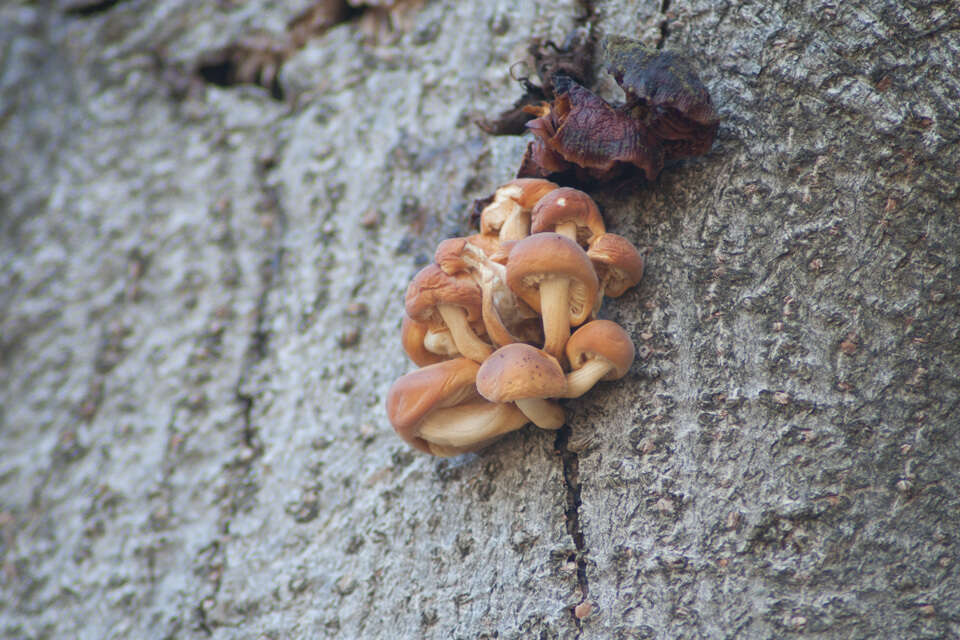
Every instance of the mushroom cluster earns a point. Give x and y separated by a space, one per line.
489 321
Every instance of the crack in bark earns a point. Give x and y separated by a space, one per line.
571 482
258 347
664 24
87 8
588 17
203 625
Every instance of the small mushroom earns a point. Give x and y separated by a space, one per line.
416 336
553 275
434 297
570 212
508 215
437 410
617 262
599 350
526 376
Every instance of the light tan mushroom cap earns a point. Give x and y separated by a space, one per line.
431 286
528 191
619 265
543 255
602 339
517 372
568 205
419 392
522 192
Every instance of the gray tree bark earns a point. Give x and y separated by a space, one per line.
201 298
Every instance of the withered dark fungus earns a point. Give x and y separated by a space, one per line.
583 132
664 92
579 136
572 60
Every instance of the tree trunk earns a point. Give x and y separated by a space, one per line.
202 289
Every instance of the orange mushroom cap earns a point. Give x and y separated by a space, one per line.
618 263
419 392
437 410
602 338
431 286
519 371
526 376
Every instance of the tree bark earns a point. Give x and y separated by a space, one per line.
202 289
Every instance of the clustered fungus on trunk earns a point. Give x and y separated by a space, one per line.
489 321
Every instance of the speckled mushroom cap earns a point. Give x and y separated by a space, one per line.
545 255
517 372
419 392
618 263
431 286
568 205
602 339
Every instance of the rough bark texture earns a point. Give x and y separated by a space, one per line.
200 302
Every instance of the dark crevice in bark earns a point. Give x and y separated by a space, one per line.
203 625
245 63
213 570
589 19
258 347
86 8
664 24
245 400
571 482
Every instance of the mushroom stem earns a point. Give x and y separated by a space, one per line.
516 226
567 229
469 345
554 298
496 330
468 427
582 380
543 413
